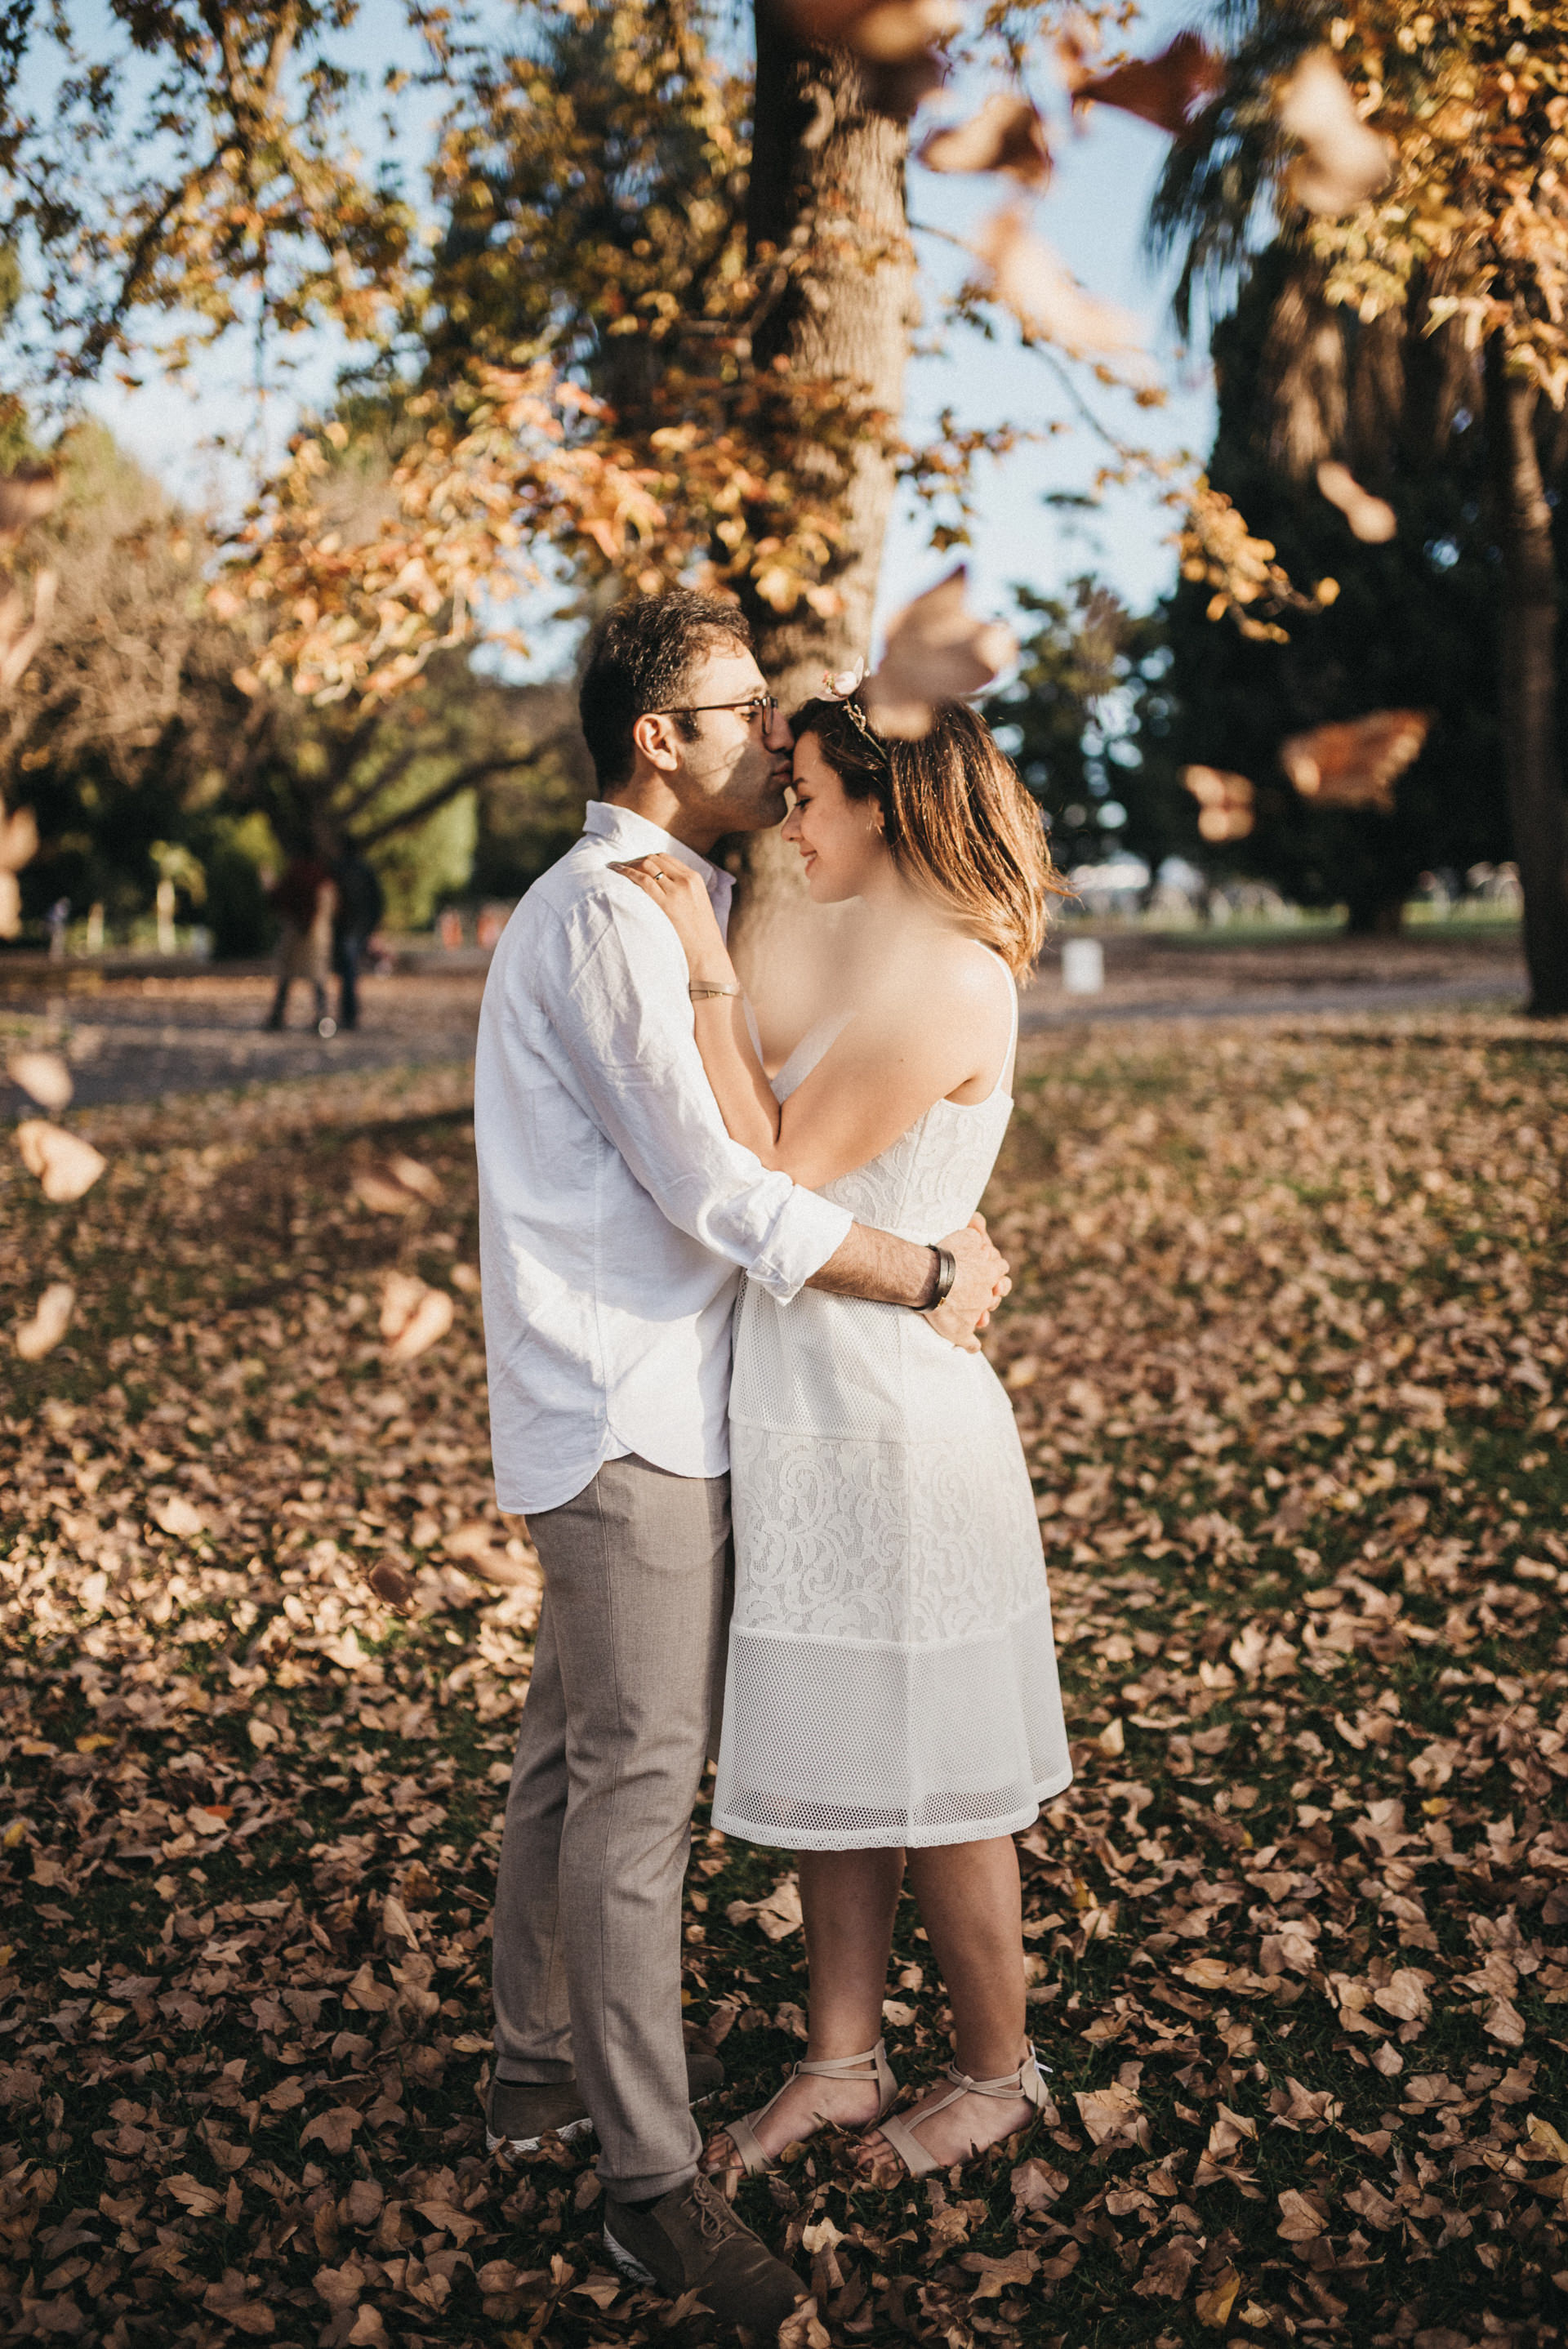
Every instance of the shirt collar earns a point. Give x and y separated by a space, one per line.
626 830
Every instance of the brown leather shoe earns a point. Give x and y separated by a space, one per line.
691 2240
520 2114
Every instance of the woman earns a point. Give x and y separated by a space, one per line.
891 1706
305 900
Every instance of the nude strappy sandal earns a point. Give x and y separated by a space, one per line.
1024 2082
742 2134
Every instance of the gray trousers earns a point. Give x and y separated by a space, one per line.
628 1676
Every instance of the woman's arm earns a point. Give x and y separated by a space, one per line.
930 1030
740 1086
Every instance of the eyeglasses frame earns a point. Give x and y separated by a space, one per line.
765 705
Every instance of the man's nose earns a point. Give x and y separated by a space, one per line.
778 733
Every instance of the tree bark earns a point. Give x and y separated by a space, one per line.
1532 757
827 181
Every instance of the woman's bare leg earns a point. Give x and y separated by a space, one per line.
972 1909
848 1898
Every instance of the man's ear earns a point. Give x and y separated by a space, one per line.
654 735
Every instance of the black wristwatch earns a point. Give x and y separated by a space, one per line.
947 1274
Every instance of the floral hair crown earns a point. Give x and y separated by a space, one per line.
842 686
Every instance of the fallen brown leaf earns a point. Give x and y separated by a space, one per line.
392 1584
778 1914
334 2129
1301 2216
1113 2115
1215 2303
416 1177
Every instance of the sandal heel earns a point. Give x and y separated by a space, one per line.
1024 2082
742 2133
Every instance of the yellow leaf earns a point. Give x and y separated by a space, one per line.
1552 2145
1216 2304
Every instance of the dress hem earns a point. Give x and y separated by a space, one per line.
918 1839
1002 1627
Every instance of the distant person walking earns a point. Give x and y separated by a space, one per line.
305 900
360 906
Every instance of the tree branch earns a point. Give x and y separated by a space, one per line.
384 776
435 800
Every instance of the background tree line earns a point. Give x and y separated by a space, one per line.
649 314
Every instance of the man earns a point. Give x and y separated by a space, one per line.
360 906
615 1214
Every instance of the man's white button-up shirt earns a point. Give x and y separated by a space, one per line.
616 1213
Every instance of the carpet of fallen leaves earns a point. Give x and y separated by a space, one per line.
1288 1352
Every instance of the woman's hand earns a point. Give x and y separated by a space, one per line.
679 892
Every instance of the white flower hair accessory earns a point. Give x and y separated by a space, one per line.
838 684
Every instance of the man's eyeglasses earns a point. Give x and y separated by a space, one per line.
758 705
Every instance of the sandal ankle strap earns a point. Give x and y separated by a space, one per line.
833 2067
742 2130
1025 2081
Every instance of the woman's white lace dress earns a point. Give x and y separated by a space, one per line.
891 1675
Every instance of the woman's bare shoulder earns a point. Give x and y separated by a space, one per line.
949 995
939 972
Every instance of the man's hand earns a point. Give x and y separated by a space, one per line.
981 1283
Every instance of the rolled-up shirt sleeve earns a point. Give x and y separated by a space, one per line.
623 1019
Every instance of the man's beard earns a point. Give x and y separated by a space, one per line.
757 804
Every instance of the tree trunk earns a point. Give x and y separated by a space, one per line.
827 177
1375 917
1532 759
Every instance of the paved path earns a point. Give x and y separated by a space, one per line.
1483 990
143 1039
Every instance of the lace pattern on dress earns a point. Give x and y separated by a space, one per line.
892 1677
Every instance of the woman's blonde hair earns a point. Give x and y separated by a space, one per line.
959 823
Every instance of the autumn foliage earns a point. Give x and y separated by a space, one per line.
1287 1352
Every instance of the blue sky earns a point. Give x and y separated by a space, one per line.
1093 213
